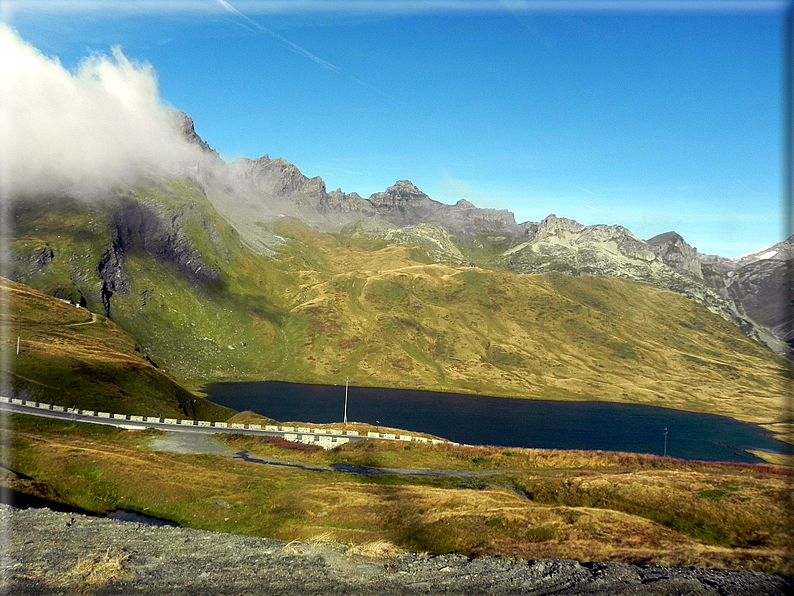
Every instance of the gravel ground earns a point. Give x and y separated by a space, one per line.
47 552
187 442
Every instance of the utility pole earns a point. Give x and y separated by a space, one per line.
347 382
17 345
665 441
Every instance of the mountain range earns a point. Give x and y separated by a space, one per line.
251 270
749 291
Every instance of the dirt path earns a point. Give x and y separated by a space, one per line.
93 320
185 442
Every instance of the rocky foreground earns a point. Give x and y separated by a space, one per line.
47 552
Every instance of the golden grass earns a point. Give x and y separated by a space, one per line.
377 550
784 431
72 357
546 504
538 336
88 574
776 459
96 570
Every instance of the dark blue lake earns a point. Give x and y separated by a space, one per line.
481 420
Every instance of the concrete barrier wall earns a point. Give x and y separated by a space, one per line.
303 434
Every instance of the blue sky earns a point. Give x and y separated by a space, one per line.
656 116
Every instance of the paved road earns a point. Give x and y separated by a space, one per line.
171 445
132 424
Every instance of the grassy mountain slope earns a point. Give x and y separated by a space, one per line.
385 319
73 357
176 276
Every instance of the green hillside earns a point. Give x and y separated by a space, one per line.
205 308
72 357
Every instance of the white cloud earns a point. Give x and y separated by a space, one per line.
75 132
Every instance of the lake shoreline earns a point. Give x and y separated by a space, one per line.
510 422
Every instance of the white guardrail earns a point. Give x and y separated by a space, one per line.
326 438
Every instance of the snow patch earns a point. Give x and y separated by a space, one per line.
766 255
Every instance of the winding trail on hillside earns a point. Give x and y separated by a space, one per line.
93 320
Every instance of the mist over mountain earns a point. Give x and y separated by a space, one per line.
82 133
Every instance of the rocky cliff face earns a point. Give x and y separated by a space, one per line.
763 285
403 204
279 178
185 126
154 228
673 250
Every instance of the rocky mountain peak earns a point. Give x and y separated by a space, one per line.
671 237
403 204
401 190
782 251
676 253
556 226
185 126
281 178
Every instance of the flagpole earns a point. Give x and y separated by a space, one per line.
347 381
